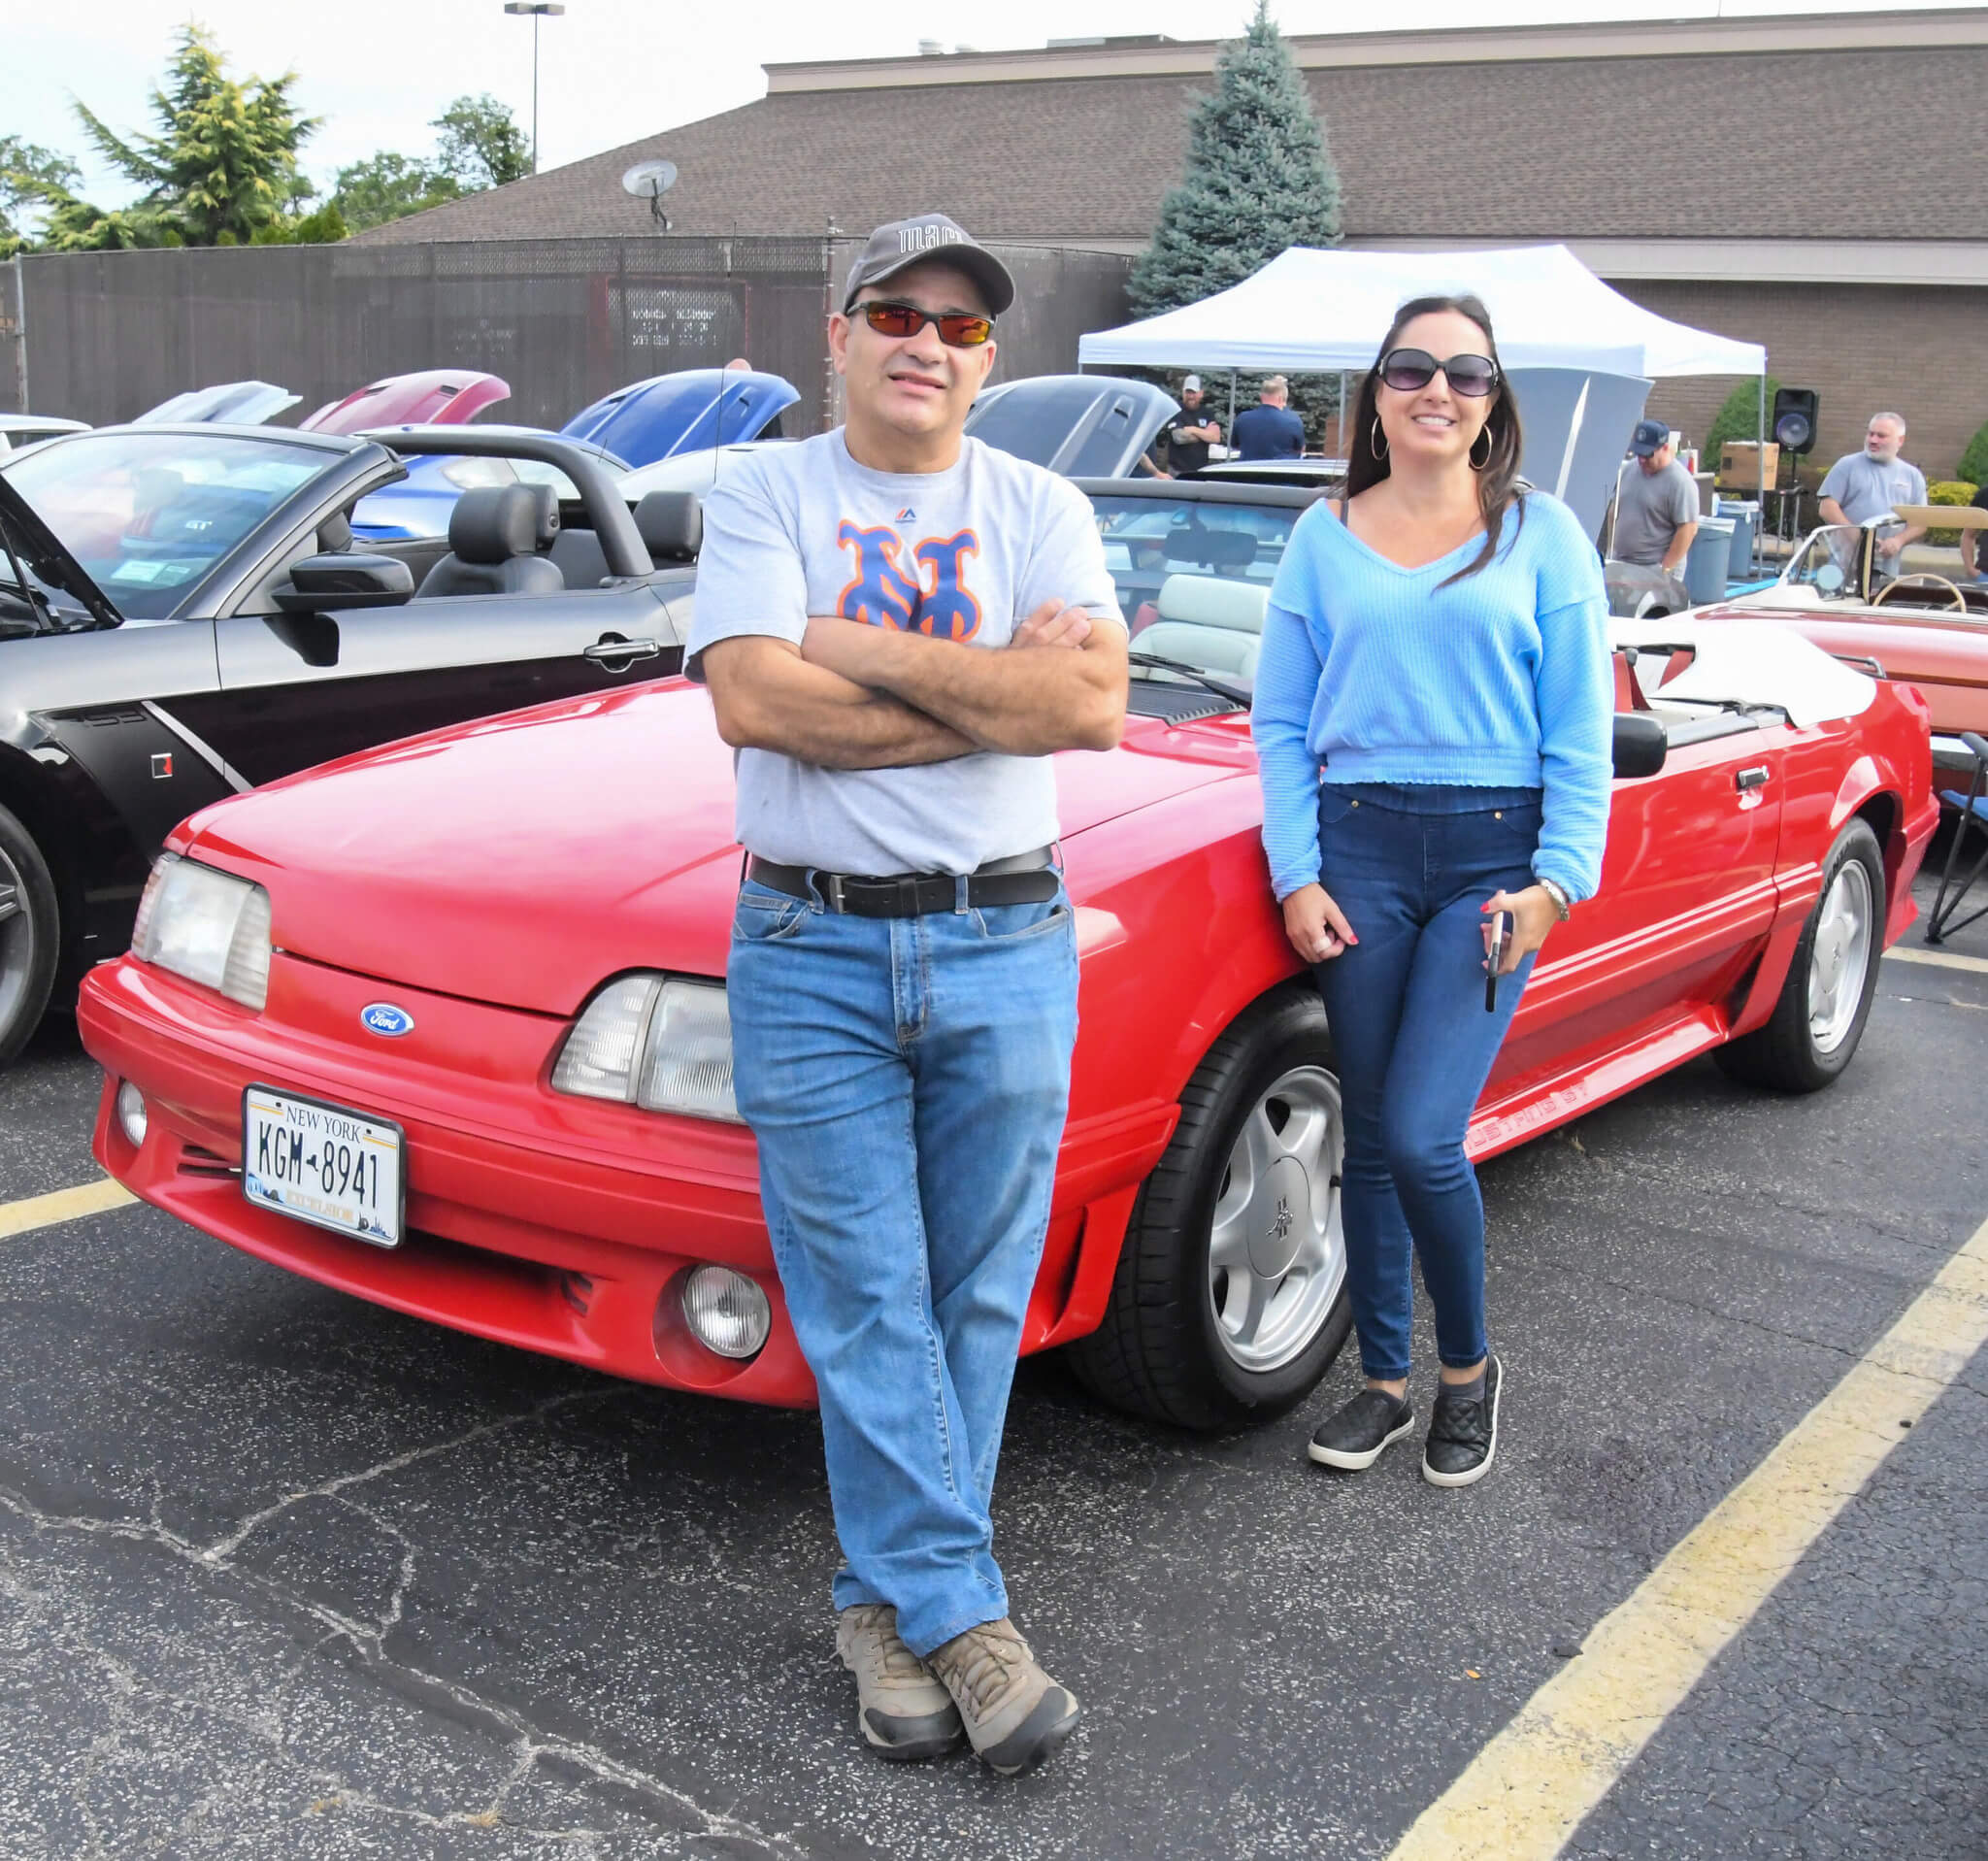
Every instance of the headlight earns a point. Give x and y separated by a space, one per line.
207 926
658 1042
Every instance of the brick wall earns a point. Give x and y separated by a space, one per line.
1922 351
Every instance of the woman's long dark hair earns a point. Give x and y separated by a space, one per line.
1497 479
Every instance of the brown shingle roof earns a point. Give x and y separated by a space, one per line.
1814 143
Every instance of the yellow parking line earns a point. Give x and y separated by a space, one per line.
1944 959
1525 1792
62 1205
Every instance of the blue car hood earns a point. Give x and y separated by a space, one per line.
690 411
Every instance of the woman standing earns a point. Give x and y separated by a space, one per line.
1431 718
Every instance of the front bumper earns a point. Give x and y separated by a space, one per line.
559 1225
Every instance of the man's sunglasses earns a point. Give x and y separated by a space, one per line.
956 329
1406 370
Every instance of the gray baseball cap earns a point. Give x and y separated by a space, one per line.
905 243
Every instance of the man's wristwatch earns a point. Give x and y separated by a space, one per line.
1563 906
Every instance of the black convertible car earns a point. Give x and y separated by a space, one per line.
184 612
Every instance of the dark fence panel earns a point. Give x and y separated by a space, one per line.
563 321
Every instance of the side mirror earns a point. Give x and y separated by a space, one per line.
1641 745
324 583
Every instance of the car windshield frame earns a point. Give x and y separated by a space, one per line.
152 514
1160 533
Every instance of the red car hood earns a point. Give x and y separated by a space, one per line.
524 859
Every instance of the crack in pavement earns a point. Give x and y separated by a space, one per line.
528 1744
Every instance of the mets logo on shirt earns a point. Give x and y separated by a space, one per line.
925 591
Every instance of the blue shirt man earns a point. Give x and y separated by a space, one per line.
1270 430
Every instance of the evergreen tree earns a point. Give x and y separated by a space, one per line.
1973 465
1258 179
1737 419
221 169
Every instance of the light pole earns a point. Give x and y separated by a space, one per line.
536 8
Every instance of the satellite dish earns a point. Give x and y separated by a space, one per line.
649 180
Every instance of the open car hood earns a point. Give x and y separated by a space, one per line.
235 403
1084 426
524 859
432 397
44 556
687 412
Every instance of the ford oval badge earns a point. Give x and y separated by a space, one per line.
382 1017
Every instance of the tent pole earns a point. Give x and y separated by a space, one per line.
1341 449
1232 411
1760 459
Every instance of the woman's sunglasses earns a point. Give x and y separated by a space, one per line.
956 330
1406 370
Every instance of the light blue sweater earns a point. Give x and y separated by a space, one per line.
1500 680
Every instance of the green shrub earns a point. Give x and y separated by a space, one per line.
1949 491
1739 419
1973 463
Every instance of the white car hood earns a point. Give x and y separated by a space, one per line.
1754 662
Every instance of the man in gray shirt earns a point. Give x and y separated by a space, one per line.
898 625
1862 485
1656 504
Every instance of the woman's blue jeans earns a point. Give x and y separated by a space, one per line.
906 1079
1412 868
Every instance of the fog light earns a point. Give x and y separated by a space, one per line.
726 1312
131 1118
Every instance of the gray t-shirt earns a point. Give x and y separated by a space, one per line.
1651 508
963 554
1865 489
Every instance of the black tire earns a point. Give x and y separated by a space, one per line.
30 935
1785 1055
1158 1351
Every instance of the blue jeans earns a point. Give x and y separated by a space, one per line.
1412 869
906 1079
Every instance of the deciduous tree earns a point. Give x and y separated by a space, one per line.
481 145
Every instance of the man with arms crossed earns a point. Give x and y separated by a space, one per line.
1865 484
898 625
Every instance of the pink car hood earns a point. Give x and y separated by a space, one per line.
524 859
434 397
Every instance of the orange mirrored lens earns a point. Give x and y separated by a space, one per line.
899 320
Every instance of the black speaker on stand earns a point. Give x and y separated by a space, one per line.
1793 426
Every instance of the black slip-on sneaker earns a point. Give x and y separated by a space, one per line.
1463 1435
1354 1437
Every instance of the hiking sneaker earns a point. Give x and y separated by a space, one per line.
1355 1436
1015 1715
1463 1435
902 1711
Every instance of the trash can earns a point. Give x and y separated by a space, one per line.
1705 568
1745 516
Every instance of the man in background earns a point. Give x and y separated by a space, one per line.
1270 430
1862 485
1190 432
1656 504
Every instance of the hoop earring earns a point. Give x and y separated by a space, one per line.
1377 439
1484 433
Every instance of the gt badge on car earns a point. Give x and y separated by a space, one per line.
382 1017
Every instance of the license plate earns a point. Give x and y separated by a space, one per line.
322 1164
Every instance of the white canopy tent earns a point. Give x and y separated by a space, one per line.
1324 312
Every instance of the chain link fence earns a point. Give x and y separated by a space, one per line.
563 321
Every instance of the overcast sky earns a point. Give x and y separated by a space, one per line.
610 71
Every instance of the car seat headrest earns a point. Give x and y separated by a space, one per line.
1214 601
547 519
334 534
496 522
671 523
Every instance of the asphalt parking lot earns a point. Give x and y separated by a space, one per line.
282 1575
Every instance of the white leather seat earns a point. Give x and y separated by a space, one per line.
1209 622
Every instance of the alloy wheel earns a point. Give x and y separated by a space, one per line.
17 940
1276 1253
1839 956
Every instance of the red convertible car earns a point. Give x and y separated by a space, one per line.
444 1025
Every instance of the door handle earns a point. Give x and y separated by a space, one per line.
1754 777
610 650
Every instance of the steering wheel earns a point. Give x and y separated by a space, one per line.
1919 578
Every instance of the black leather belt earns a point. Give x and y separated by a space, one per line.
1023 878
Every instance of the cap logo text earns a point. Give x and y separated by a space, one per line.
923 238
